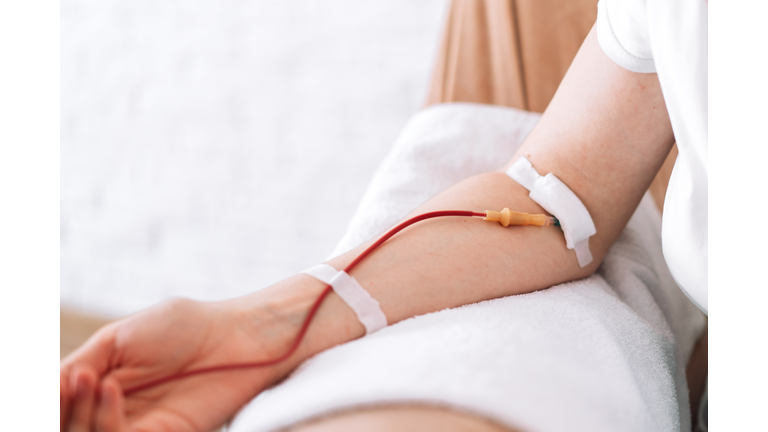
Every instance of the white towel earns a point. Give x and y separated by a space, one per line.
606 353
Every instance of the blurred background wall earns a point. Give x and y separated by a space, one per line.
212 148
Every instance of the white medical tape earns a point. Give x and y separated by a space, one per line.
366 308
322 272
558 199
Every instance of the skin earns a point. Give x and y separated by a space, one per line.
605 134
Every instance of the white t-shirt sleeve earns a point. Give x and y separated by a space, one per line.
622 32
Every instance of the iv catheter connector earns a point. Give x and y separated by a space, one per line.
507 217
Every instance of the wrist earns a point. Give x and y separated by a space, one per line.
274 316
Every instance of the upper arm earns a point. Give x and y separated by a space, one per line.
605 134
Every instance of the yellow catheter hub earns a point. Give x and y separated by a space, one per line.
508 217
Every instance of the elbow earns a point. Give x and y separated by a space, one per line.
590 268
598 254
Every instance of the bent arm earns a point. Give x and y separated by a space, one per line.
605 134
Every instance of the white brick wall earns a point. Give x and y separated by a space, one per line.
211 148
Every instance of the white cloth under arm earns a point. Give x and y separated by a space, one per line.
670 39
366 308
557 198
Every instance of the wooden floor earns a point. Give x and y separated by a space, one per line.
76 328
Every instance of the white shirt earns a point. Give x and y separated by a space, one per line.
669 37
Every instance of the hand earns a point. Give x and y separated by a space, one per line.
178 336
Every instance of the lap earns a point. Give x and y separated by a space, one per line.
407 417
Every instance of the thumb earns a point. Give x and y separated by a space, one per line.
97 352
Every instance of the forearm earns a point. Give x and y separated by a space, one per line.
451 261
435 264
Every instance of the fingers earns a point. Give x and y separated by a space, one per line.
110 416
65 399
79 376
83 399
83 383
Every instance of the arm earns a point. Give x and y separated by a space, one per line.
605 135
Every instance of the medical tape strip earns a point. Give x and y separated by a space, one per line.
558 199
366 308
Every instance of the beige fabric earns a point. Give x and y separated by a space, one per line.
508 52
478 60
